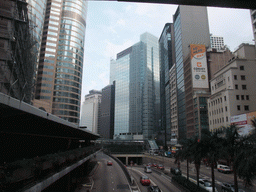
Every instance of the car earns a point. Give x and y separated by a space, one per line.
224 169
160 166
149 164
175 171
206 184
228 187
147 169
109 163
154 165
154 189
144 180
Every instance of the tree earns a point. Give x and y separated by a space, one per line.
212 143
231 147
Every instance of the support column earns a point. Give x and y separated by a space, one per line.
126 160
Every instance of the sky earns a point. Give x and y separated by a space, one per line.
114 26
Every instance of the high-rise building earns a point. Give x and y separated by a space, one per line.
91 111
106 121
60 65
167 58
253 17
190 27
16 58
217 42
233 88
137 97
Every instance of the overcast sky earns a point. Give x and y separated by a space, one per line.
115 26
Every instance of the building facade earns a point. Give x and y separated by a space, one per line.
91 110
106 121
233 88
60 65
253 17
174 105
190 27
217 42
137 99
16 54
167 58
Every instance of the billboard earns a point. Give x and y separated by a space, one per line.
199 66
244 123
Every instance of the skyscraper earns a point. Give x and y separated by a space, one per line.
137 97
90 112
167 58
190 27
107 107
60 66
253 17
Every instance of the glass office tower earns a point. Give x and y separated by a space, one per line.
137 97
190 27
61 58
167 58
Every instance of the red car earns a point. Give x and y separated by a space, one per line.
160 167
144 180
154 165
109 163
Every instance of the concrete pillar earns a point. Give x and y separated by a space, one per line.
126 160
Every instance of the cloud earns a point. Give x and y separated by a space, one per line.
112 49
121 22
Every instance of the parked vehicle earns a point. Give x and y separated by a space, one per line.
206 184
228 187
175 171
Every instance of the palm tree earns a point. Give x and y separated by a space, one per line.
212 143
186 153
231 147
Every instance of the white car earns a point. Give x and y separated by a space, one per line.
206 184
147 169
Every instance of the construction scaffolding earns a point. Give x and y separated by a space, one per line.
17 63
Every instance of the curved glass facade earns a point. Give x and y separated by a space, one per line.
61 57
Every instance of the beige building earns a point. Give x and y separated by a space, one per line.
91 111
233 88
173 103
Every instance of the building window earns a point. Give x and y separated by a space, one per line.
225 98
226 119
242 97
235 77
236 86
226 108
242 77
246 107
244 87
237 97
247 97
241 67
238 107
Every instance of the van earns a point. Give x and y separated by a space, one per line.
224 169
147 169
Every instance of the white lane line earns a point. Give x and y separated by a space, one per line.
144 174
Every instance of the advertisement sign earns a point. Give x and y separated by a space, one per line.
244 123
199 66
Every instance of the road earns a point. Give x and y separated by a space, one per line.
205 172
163 182
109 178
